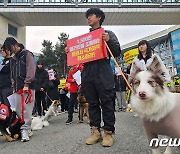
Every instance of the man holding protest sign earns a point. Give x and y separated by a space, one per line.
97 76
98 84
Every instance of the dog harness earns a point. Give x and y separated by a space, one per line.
14 122
28 100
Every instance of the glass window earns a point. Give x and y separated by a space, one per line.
12 30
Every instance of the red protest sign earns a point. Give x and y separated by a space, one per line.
86 48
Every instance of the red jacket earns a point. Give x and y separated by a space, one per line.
73 85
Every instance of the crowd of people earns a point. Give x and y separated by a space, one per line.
103 87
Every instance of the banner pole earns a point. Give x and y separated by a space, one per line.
118 66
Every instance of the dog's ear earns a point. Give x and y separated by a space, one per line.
156 68
57 102
134 71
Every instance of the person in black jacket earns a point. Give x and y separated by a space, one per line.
52 90
41 83
98 84
120 87
5 80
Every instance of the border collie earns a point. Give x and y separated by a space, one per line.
159 108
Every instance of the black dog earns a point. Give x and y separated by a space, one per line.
9 119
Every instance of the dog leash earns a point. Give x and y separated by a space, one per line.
48 96
28 100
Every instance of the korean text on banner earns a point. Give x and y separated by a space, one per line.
86 48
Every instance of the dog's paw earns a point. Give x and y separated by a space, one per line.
9 138
16 136
58 113
80 121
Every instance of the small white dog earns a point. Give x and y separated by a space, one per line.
52 111
38 123
159 108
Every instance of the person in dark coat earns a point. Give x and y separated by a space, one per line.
120 86
5 80
98 83
52 90
41 83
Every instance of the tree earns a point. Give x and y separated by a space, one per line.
60 54
55 56
48 56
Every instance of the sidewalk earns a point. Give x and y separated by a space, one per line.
59 138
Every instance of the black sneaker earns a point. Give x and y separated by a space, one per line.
69 121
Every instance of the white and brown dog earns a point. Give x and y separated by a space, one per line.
159 108
52 111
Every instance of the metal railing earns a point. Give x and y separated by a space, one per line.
55 2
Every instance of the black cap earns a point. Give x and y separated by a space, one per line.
39 62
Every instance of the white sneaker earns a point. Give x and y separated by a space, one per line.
30 133
24 135
1 134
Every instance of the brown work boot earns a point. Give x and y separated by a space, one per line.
95 136
107 139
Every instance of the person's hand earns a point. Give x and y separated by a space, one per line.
66 50
105 37
41 89
25 89
73 80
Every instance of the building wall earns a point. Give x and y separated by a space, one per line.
21 31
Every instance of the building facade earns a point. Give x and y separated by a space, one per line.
11 29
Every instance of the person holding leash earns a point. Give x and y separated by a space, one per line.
22 68
41 83
98 84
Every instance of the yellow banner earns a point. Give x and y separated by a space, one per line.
62 83
130 55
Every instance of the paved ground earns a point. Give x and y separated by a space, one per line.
130 138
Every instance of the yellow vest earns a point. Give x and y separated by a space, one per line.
62 83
